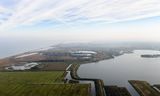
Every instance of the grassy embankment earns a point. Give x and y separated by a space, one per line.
143 88
98 83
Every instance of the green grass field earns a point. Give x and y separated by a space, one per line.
45 90
31 77
39 84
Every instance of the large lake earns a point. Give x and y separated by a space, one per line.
126 67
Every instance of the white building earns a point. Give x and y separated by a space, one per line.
22 67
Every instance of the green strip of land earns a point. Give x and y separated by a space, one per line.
144 88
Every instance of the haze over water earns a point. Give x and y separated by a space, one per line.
11 47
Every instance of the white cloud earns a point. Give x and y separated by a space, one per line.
28 12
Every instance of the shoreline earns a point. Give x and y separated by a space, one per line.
98 82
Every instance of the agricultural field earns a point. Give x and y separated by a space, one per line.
31 77
45 90
50 66
44 83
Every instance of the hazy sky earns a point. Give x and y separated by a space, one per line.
79 20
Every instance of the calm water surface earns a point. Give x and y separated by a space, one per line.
126 67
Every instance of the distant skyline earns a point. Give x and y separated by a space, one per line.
80 20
